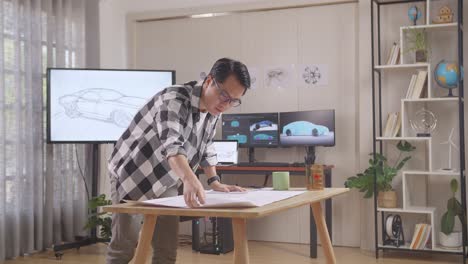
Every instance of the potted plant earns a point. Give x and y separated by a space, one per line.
102 219
384 173
417 43
448 237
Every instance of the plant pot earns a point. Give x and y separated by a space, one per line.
453 240
387 199
421 56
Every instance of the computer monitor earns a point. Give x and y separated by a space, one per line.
307 128
226 151
251 130
97 105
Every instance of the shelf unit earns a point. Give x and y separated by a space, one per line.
410 203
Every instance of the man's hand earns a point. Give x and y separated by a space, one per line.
194 194
220 187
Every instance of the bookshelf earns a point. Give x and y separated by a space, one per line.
416 188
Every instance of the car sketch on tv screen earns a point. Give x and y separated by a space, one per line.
102 104
97 105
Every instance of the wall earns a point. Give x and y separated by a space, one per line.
114 50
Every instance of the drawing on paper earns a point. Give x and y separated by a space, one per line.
279 76
274 77
101 104
311 75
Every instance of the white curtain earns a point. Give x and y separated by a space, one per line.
42 195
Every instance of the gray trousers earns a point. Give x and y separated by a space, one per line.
125 233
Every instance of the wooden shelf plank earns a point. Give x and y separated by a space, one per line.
444 173
410 210
406 247
446 26
401 66
433 99
402 138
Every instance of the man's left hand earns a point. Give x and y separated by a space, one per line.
220 187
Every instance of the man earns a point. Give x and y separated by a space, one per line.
165 143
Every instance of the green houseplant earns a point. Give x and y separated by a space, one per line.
380 169
448 237
99 219
418 43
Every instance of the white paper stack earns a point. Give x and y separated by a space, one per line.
251 198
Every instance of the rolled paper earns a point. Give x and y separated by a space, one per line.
280 180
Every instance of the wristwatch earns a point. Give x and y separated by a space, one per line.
212 179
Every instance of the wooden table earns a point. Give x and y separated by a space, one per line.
239 221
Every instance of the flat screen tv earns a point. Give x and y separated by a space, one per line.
307 128
97 105
251 130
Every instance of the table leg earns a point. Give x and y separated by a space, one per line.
328 204
312 235
241 249
144 243
323 232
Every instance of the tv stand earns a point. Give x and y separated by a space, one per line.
81 241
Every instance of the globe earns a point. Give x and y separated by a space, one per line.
446 75
414 14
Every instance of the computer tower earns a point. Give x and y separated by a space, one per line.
212 235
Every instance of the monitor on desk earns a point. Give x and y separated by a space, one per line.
226 151
251 130
307 128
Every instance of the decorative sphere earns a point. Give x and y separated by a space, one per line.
414 13
446 74
423 121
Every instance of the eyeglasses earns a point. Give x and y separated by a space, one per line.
225 97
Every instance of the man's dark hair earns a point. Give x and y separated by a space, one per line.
225 67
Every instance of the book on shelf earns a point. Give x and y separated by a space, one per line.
394 55
389 57
393 125
418 87
409 92
397 126
421 236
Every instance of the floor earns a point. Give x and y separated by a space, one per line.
260 252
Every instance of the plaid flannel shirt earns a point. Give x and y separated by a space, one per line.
164 127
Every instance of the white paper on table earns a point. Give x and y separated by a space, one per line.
251 198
